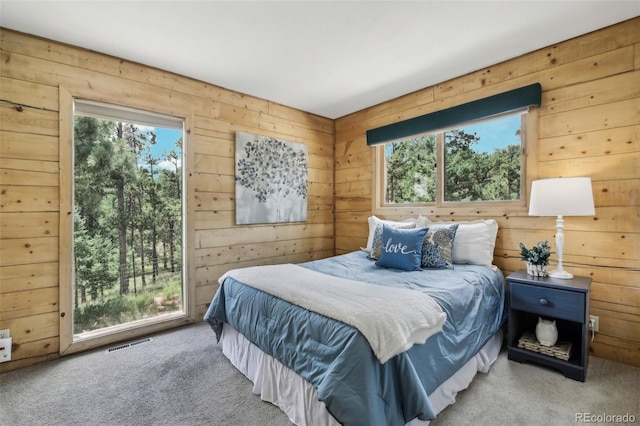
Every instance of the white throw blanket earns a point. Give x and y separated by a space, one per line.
391 319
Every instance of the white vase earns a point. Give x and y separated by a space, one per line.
546 332
536 270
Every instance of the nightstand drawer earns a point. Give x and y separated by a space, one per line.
562 304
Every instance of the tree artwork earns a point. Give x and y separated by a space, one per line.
271 180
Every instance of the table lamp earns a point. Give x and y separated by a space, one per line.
571 196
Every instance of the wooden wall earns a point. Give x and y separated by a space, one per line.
33 71
588 125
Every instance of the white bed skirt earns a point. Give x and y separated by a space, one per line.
282 387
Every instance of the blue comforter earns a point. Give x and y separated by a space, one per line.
337 360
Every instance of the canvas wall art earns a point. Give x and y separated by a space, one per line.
271 180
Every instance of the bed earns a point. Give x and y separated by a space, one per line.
282 326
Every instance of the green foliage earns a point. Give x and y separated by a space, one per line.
411 170
114 308
96 265
480 176
113 311
172 291
143 303
470 175
536 255
128 215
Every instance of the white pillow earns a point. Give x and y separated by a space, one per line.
375 221
474 242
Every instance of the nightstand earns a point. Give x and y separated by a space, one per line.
566 302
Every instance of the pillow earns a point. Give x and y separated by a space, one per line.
437 250
375 221
401 248
376 246
475 241
422 222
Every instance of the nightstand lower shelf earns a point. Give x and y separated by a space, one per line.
560 350
569 369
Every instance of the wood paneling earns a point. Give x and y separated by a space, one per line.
588 124
37 79
27 277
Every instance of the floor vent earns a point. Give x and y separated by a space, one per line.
128 345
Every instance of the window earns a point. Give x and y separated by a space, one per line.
122 182
475 162
127 216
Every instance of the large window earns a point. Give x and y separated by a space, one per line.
476 162
128 262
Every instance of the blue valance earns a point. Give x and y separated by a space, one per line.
514 100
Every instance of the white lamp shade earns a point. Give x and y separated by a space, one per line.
562 197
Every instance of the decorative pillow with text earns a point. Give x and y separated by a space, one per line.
401 248
376 223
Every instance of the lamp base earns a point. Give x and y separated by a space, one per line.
562 274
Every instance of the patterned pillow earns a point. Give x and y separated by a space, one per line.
437 251
475 240
401 248
376 245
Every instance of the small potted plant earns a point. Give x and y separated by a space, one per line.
537 258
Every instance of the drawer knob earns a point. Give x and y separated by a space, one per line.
544 302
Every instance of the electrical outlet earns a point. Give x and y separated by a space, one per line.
5 349
594 323
5 333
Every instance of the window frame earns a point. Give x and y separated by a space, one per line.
441 208
67 343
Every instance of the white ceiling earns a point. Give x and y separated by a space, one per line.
326 57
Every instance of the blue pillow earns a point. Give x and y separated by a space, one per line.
376 244
401 248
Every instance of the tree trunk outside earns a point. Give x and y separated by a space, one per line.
172 245
142 260
122 240
154 252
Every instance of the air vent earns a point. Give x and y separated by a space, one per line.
128 345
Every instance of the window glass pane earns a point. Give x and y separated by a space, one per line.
128 248
482 161
411 170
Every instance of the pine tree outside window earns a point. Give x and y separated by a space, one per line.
473 163
128 217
